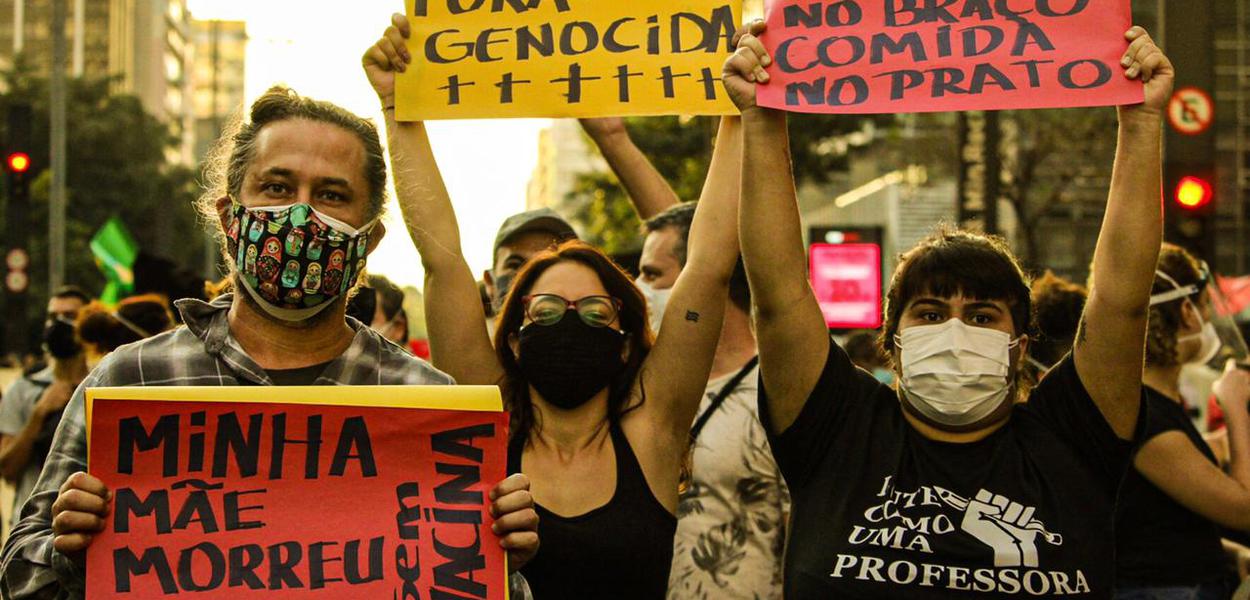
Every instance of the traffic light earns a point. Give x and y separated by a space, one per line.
18 162
1190 207
1193 194
1190 181
15 246
17 169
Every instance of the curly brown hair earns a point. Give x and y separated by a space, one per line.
1165 319
1058 304
100 326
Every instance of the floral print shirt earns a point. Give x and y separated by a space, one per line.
731 520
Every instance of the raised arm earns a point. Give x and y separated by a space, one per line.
676 371
1173 464
459 342
1110 344
790 328
647 189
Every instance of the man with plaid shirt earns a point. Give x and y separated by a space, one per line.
298 166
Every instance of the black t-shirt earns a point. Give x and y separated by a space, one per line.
1160 542
301 376
882 512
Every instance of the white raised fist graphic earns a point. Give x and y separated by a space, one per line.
1006 526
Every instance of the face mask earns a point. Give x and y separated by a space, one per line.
657 301
569 362
503 284
955 374
1041 367
883 375
59 340
294 261
1208 337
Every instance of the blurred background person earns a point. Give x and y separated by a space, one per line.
103 330
389 317
519 238
1058 304
861 345
32 405
1176 499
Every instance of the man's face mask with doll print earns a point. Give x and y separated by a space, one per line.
293 260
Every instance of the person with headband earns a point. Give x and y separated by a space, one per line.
1176 500
949 486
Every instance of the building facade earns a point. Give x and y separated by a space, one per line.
218 75
144 44
1232 129
564 153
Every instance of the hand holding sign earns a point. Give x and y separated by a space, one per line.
516 521
746 66
78 514
388 56
1146 61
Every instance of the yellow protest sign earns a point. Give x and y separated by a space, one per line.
566 58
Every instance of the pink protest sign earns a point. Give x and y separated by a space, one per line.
892 56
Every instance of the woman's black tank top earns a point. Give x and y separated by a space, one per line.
623 549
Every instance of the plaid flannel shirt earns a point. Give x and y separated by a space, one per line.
201 353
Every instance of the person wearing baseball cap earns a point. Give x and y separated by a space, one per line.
520 237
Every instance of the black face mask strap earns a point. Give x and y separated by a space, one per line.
720 398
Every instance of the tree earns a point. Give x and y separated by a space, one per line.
117 166
681 150
1057 153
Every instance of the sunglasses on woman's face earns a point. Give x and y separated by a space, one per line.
548 309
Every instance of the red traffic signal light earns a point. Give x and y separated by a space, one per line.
18 162
1193 193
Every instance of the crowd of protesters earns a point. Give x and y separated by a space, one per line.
696 432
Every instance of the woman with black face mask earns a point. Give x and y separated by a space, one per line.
600 416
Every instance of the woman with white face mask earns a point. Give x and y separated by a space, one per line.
950 487
1174 503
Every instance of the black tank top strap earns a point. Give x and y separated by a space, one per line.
622 549
631 482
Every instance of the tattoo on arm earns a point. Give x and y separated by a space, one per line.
692 316
1080 332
